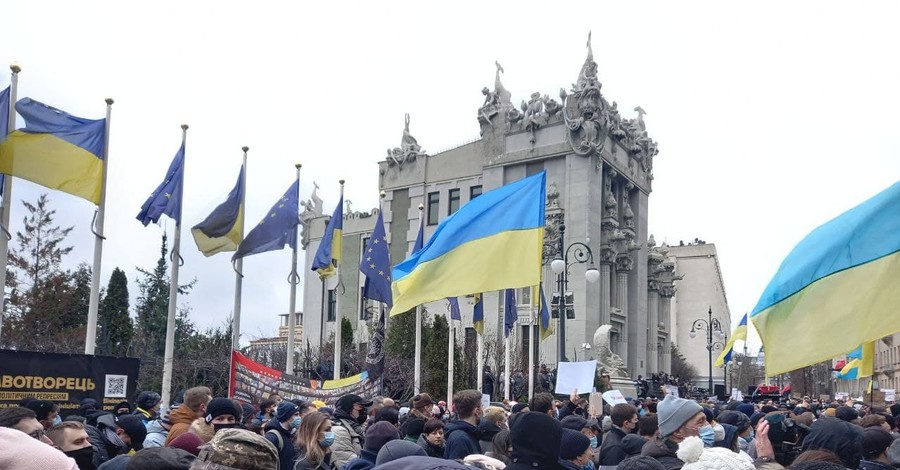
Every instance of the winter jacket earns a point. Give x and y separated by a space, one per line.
430 449
487 430
103 437
633 443
348 439
365 461
664 451
146 416
460 439
302 464
568 465
873 465
156 435
286 451
612 451
181 419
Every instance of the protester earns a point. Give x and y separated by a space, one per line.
679 418
147 406
501 448
314 443
25 420
349 415
71 438
265 414
694 454
237 449
221 413
116 436
493 421
161 458
648 428
376 437
158 431
29 454
461 435
45 411
624 420
543 403
398 449
875 443
535 439
195 401
575 450
838 436
278 431
432 438
412 429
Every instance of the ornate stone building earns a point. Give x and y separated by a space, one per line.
599 168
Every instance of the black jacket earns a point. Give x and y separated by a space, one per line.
286 452
611 450
107 444
664 451
430 449
460 440
633 443
487 430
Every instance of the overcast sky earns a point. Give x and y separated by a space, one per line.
771 117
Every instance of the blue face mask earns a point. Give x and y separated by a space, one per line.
295 423
328 440
707 435
594 442
588 466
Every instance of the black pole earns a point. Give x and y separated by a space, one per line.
709 345
561 283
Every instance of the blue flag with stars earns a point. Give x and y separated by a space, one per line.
510 312
454 308
277 229
167 197
376 265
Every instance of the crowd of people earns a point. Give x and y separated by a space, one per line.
199 431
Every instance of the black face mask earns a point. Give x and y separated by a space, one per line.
83 457
363 416
219 427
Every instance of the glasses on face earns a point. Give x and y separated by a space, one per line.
37 434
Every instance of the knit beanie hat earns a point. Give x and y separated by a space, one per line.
147 400
572 444
746 408
379 434
188 442
285 410
696 457
674 412
845 413
398 449
161 458
221 406
640 462
22 452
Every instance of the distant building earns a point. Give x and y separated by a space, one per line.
282 338
887 362
700 289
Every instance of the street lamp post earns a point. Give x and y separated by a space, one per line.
560 266
710 326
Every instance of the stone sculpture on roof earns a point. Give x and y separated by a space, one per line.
409 149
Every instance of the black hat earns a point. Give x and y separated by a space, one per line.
577 423
875 441
41 408
134 427
535 439
147 400
346 402
572 444
379 434
285 410
846 413
518 407
736 419
221 406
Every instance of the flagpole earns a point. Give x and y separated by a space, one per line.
90 340
417 367
480 342
169 358
450 354
337 307
7 193
293 280
239 264
531 346
508 372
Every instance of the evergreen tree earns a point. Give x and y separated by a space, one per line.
400 338
116 328
434 358
346 333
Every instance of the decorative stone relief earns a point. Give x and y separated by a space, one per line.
409 149
627 213
312 208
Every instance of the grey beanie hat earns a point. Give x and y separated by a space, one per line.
397 449
674 412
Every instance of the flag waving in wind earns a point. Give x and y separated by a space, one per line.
839 283
277 229
166 199
739 333
493 242
223 227
376 265
4 112
510 312
478 314
329 253
56 150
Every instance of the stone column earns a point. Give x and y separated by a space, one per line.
665 312
652 326
607 256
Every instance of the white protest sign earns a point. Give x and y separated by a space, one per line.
614 397
736 395
672 390
575 376
485 401
889 394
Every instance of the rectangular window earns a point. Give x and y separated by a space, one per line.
533 168
331 311
474 191
434 201
453 203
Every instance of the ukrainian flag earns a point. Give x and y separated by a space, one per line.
546 327
329 253
224 226
836 290
740 332
492 243
478 314
56 150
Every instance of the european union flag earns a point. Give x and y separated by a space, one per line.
454 308
510 313
278 227
376 265
167 197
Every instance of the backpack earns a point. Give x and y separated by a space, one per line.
278 437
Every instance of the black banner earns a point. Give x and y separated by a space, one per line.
66 379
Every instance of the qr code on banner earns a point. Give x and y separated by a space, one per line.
116 386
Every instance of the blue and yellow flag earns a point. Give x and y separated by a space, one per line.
328 256
453 305
544 309
864 359
4 112
840 283
277 229
739 333
478 314
510 311
56 150
223 227
420 237
166 199
492 243
376 265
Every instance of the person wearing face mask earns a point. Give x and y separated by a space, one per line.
678 419
314 443
71 438
221 413
575 451
624 420
349 415
29 453
461 435
278 432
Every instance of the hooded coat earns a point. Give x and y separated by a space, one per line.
460 439
181 419
103 437
664 451
156 434
487 430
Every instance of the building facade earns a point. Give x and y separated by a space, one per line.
599 169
